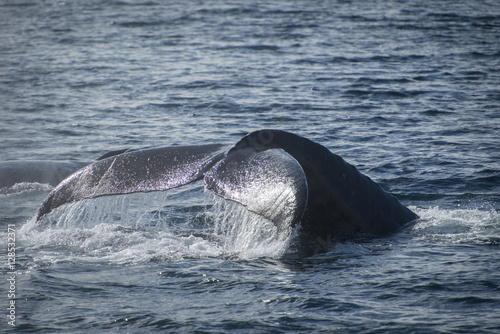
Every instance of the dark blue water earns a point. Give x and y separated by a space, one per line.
407 91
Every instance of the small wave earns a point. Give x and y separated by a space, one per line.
260 47
20 4
140 24
383 94
25 187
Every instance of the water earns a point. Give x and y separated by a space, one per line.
406 91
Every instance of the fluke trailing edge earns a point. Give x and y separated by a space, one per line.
283 177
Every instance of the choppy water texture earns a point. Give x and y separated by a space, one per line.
408 91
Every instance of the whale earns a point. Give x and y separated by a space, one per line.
36 171
283 177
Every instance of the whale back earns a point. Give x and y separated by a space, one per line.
47 172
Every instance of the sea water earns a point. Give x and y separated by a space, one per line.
407 91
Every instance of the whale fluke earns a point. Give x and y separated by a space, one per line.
283 177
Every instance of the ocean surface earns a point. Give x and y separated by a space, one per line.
407 91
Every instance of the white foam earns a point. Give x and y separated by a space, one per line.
25 187
458 225
140 227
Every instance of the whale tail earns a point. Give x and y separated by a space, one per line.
340 198
281 176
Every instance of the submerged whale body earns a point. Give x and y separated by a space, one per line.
281 176
47 172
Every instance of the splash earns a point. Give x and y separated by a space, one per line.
459 225
192 223
248 234
24 188
160 226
